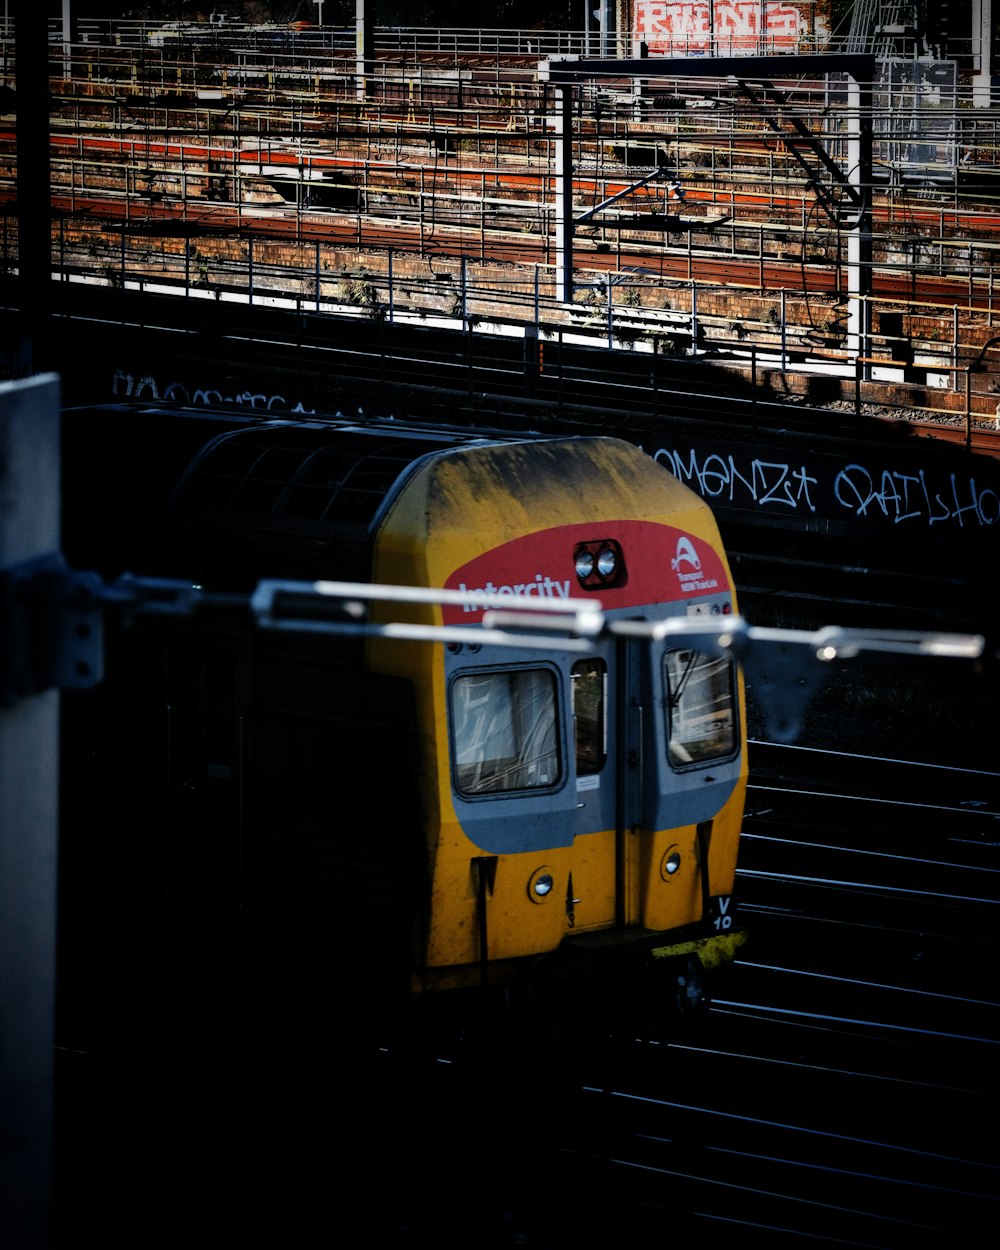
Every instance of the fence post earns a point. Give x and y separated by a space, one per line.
857 385
465 295
537 326
784 340
694 318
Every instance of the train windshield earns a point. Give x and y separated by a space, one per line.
505 731
701 707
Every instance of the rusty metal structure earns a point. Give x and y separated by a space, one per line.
743 191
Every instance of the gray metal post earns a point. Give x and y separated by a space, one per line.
536 298
982 53
29 769
859 237
365 45
784 333
562 73
694 317
563 134
465 294
34 259
70 35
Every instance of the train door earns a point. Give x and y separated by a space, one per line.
657 756
610 702
591 889
632 747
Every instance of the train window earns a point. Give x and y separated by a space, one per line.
504 731
590 715
701 707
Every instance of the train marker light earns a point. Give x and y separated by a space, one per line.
540 885
671 863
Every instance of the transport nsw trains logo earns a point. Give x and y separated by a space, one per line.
686 563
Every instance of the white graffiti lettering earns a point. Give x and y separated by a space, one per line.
962 502
147 387
869 494
768 481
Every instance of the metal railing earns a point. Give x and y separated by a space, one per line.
496 44
924 347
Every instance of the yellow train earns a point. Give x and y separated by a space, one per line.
384 819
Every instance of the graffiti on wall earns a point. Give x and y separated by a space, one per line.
125 385
911 495
908 493
726 27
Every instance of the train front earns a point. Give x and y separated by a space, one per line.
582 812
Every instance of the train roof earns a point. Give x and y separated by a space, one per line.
163 489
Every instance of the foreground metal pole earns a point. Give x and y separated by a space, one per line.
29 789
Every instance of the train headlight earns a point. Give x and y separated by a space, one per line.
540 885
670 865
599 564
584 564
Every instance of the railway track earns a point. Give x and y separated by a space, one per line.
186 145
507 246
458 167
838 1092
832 1094
895 858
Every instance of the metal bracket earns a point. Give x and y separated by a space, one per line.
51 628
